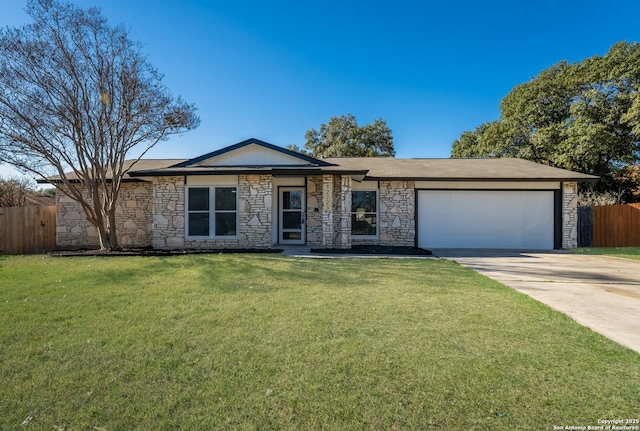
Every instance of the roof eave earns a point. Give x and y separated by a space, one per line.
279 171
77 181
499 179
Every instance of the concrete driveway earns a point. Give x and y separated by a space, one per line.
599 292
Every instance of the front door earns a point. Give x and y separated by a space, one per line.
291 227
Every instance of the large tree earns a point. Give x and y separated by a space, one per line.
76 97
342 137
583 116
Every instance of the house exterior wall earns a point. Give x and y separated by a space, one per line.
254 215
328 211
134 215
168 217
342 189
153 214
314 211
396 215
72 227
569 215
134 211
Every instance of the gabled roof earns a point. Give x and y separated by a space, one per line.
252 156
266 158
304 160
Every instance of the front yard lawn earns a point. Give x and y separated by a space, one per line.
256 342
628 252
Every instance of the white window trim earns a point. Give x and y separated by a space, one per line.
212 212
377 213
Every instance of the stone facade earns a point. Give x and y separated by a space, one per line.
255 219
330 227
314 211
169 210
569 215
328 211
343 234
254 215
134 215
134 211
72 227
396 215
153 214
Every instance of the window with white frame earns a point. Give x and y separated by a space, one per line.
212 212
364 213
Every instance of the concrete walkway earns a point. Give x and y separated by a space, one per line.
599 292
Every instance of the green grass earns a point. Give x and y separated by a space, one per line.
255 342
628 252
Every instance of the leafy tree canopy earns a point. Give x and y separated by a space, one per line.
342 137
77 95
582 116
13 191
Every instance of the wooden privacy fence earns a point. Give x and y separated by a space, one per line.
609 226
27 230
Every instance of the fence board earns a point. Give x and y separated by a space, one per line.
27 230
616 225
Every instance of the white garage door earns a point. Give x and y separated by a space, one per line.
508 219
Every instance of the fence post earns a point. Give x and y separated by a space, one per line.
585 226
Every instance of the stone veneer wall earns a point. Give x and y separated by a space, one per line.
336 196
254 215
329 220
396 215
72 227
154 214
133 219
328 211
314 211
342 210
255 218
168 216
569 215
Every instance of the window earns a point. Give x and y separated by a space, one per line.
364 213
198 211
225 213
212 211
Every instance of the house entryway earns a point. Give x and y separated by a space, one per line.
291 215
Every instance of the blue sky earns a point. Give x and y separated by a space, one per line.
272 70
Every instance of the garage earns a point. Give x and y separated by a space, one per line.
498 219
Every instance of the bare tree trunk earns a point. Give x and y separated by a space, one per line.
102 238
107 236
112 237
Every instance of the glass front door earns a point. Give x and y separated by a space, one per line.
292 211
